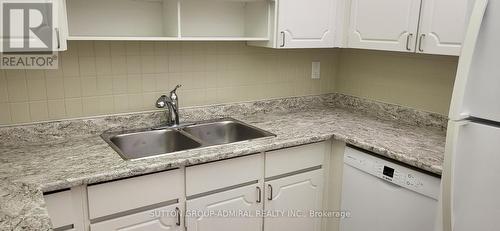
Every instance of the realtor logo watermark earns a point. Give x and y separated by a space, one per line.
27 35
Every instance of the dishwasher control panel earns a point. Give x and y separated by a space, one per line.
397 174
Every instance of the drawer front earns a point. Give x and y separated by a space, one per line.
122 195
60 208
294 159
163 218
221 174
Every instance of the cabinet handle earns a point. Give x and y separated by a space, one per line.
282 39
178 211
259 195
408 41
270 197
422 36
410 35
57 37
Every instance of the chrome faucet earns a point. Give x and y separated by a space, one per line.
172 103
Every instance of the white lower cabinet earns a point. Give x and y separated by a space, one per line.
270 191
152 202
160 219
230 210
63 210
296 196
134 193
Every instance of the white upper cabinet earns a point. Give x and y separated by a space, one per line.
422 26
384 24
442 26
39 26
61 26
303 24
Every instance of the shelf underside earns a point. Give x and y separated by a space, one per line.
168 38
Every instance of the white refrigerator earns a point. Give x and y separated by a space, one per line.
471 172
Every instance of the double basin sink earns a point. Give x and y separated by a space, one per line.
144 143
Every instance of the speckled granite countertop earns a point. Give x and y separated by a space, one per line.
52 156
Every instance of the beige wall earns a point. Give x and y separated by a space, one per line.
97 78
424 82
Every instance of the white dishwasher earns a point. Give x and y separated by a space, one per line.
383 196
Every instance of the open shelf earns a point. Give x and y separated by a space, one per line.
168 20
91 38
218 18
122 18
128 38
224 38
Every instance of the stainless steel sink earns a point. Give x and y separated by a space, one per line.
224 132
144 143
150 143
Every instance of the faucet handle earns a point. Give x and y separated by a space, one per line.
161 102
175 89
173 94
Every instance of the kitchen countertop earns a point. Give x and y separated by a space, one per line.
52 156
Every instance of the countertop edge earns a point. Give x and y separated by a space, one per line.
165 166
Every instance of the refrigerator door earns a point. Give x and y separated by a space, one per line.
477 84
475 175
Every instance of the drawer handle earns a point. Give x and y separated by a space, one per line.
422 36
178 211
259 195
270 197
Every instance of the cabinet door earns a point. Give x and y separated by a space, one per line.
60 26
384 24
61 209
297 196
39 17
442 27
226 211
305 24
164 218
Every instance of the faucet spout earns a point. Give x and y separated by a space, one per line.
171 102
173 114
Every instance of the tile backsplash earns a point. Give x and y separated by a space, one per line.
107 77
